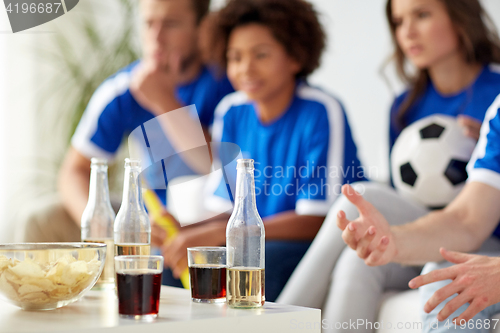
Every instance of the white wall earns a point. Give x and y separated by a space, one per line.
3 97
358 44
24 98
16 117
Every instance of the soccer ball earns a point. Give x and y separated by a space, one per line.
428 160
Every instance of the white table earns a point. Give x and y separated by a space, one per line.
97 312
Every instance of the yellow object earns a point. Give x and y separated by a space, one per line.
155 208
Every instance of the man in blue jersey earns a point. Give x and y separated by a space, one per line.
466 225
169 76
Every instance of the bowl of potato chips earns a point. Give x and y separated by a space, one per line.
46 276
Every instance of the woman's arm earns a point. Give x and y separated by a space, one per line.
73 183
283 226
291 226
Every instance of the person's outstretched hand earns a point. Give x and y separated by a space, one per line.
475 279
369 235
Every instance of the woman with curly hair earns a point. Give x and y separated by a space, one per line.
298 135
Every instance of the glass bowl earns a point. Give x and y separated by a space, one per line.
46 276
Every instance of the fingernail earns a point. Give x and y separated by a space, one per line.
351 227
371 231
411 284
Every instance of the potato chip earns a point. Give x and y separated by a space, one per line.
13 278
28 268
61 293
55 273
34 296
74 272
45 282
28 289
7 288
83 283
39 301
93 266
5 263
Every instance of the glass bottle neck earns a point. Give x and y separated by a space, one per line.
245 189
132 190
99 190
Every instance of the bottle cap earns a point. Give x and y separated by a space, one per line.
98 161
132 163
246 164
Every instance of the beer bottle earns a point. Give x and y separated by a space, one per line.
132 227
245 243
98 217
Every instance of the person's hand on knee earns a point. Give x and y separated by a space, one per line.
475 279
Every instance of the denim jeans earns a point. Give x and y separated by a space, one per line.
481 323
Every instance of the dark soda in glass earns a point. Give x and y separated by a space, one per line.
138 293
208 282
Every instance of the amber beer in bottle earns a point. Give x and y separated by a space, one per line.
245 243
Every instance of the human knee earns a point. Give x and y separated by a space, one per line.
50 223
432 266
341 204
38 221
428 290
350 266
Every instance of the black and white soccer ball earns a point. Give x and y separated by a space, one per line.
428 160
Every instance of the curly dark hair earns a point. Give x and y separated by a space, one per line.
294 24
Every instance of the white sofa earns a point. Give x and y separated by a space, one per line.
404 308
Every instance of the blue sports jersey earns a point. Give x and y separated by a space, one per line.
473 101
484 165
113 113
301 159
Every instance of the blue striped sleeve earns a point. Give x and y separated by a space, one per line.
484 165
102 126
